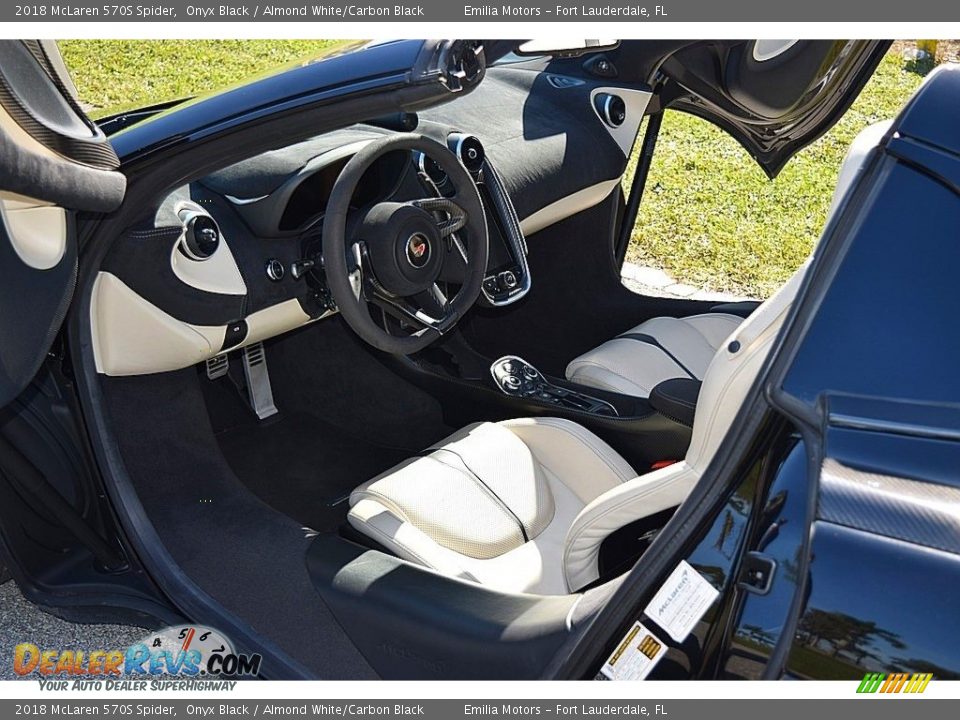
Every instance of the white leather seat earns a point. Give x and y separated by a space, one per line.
656 350
663 348
523 506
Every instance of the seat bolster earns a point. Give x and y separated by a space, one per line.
572 454
715 327
623 366
641 497
375 520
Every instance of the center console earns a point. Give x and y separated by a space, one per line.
518 378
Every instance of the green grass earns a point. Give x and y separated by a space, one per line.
116 75
709 217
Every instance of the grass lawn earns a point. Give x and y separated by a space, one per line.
116 75
709 217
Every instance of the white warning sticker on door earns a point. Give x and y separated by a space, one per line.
635 656
682 601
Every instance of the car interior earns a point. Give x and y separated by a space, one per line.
388 378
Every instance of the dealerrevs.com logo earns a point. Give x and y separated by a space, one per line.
180 657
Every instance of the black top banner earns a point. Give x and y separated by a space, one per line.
460 11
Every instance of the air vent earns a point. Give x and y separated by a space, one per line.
562 82
611 109
201 235
468 149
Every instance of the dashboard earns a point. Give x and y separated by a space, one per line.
235 258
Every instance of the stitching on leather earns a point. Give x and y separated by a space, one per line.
762 338
493 493
597 450
650 340
677 399
483 487
713 350
155 233
392 540
677 420
734 324
395 509
387 502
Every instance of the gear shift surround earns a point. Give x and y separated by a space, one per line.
518 378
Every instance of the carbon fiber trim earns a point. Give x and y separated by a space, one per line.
95 151
918 512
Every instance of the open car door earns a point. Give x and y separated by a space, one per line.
774 96
54 163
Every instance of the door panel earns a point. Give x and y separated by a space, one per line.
774 97
53 162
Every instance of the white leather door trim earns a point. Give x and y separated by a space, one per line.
568 206
636 102
37 230
131 336
217 274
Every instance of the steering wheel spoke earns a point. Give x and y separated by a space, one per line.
355 270
440 318
449 215
433 301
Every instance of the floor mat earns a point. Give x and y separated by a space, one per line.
303 466
228 542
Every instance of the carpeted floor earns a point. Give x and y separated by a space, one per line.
304 467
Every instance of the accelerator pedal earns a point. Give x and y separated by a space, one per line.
259 390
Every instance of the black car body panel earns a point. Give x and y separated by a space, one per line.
369 70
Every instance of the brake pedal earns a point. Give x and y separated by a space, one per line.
259 390
217 367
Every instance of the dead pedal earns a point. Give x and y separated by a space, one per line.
217 367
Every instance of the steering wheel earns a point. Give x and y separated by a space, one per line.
391 253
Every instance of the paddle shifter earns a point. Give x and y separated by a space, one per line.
518 378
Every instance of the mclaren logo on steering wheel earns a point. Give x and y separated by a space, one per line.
418 250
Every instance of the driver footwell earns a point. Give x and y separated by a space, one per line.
343 418
304 467
227 496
